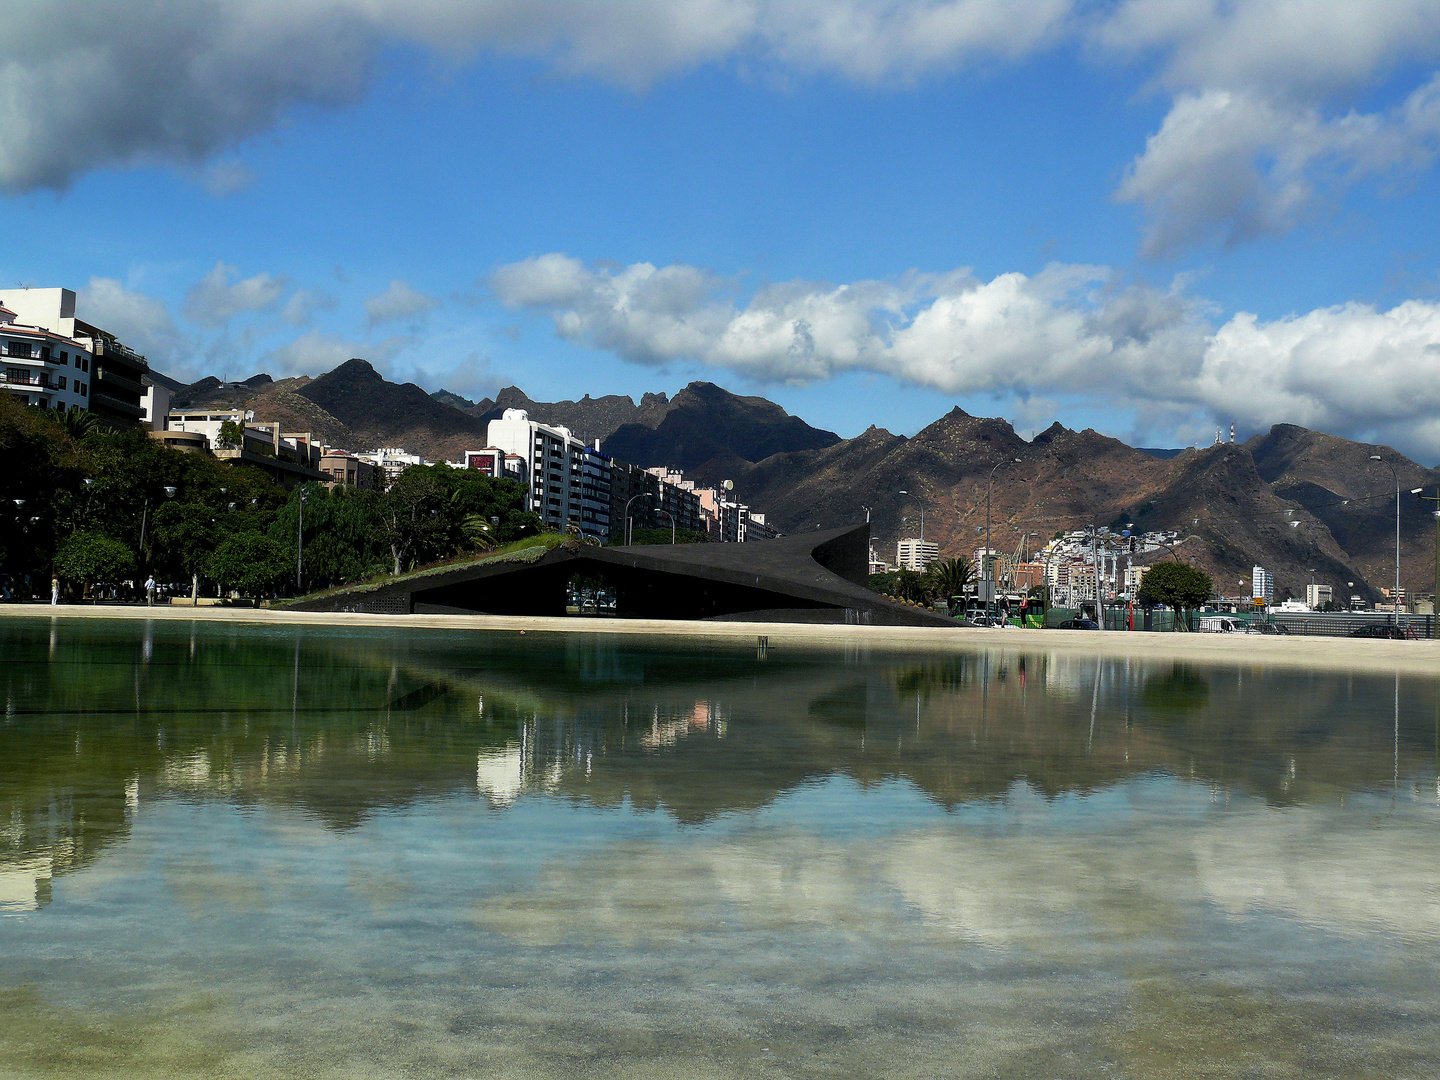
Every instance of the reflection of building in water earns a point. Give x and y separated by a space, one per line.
669 728
25 884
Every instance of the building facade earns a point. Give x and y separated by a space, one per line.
42 367
1318 596
109 373
915 554
1262 585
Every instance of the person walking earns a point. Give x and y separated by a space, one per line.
54 591
150 591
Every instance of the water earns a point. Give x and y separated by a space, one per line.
273 852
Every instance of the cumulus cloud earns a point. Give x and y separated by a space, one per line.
1234 166
1264 126
140 321
399 301
222 294
93 83
1069 330
315 353
303 304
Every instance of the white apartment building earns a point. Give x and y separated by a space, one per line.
1134 575
915 554
555 461
108 374
41 366
1262 584
392 461
1317 596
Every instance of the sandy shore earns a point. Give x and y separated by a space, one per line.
1406 657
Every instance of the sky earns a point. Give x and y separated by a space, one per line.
1152 218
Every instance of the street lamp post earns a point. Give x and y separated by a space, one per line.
672 524
989 567
921 501
1395 596
300 542
629 529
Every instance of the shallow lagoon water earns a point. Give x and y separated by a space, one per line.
308 852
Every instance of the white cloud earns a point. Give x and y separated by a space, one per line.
1238 166
221 295
138 320
1264 126
1265 92
227 177
399 301
1069 330
97 83
315 353
303 304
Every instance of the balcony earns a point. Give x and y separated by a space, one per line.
40 380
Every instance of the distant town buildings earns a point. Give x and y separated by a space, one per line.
1317 597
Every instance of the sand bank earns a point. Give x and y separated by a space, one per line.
1350 654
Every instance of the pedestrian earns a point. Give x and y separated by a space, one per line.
54 591
150 591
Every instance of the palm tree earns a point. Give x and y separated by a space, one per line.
476 529
78 422
950 576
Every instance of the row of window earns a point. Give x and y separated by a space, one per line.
25 377
24 350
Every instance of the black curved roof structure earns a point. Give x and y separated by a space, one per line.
817 577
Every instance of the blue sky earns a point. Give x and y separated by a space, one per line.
1150 218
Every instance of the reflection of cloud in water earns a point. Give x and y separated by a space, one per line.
1034 884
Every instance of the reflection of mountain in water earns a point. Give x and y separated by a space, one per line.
104 717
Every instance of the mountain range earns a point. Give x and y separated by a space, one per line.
1292 500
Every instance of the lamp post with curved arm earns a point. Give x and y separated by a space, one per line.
921 501
629 529
1395 596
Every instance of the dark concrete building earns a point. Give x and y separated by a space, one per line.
817 577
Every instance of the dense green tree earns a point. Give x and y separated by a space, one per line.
1179 587
251 563
90 558
184 536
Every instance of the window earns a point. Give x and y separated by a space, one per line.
19 349
62 382
84 389
64 359
16 375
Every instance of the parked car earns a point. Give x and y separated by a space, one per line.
1079 623
1268 628
1380 630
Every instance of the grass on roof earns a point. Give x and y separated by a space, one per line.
526 550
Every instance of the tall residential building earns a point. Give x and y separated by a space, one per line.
1317 596
41 367
110 373
569 483
1262 585
916 554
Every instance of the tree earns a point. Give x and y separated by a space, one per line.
184 538
1177 586
90 558
251 563
948 577
232 435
